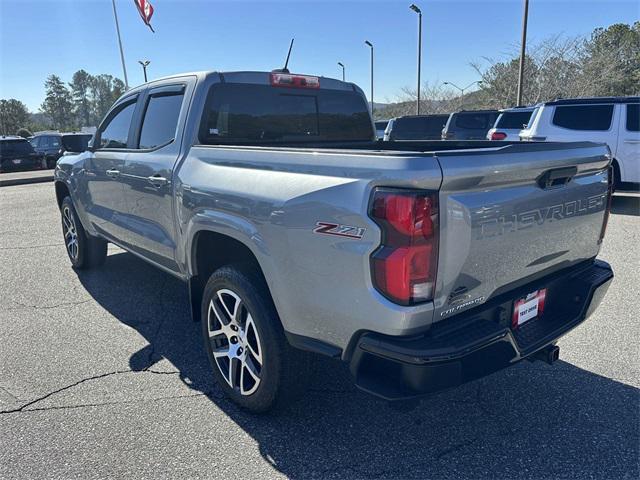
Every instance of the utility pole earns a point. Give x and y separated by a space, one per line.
144 64
371 46
342 65
416 9
124 68
523 45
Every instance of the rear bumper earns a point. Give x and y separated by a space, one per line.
478 342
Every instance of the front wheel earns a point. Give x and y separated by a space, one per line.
84 250
251 359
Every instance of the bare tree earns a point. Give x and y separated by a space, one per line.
434 98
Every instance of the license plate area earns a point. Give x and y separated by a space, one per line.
528 307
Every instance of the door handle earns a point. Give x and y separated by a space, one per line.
113 173
157 180
632 141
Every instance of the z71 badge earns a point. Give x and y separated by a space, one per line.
348 231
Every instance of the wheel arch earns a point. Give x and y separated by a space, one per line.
62 191
211 250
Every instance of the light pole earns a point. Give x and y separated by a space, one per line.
124 68
522 50
416 9
342 65
144 68
367 42
465 88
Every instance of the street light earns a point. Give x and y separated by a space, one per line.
367 42
465 88
144 68
416 9
342 65
523 45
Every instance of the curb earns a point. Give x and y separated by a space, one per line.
25 180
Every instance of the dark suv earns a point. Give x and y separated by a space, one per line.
469 125
54 145
16 153
416 127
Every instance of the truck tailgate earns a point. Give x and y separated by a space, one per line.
516 213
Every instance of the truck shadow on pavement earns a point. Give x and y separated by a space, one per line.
529 421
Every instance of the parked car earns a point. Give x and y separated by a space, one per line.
419 265
16 153
469 125
53 145
509 123
611 120
381 126
416 127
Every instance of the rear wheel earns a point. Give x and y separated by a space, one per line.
84 250
251 359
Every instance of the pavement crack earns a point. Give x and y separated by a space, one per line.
67 387
79 382
48 307
103 404
33 246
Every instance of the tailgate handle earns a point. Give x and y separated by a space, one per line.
557 177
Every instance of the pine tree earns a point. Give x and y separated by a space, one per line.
80 90
58 103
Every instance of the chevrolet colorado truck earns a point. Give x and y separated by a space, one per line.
422 265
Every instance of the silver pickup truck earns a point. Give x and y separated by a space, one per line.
422 265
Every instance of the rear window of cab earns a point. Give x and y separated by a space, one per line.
262 114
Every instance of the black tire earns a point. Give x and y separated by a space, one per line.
284 370
88 252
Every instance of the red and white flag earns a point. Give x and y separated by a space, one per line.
146 11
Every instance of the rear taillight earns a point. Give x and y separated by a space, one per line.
498 136
607 210
404 266
294 81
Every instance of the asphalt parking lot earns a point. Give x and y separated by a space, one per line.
102 374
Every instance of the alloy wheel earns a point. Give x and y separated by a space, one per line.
235 343
70 232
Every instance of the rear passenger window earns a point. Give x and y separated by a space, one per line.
160 120
583 117
116 133
633 117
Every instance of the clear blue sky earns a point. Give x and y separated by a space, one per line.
38 38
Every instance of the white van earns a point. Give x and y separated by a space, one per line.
611 120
